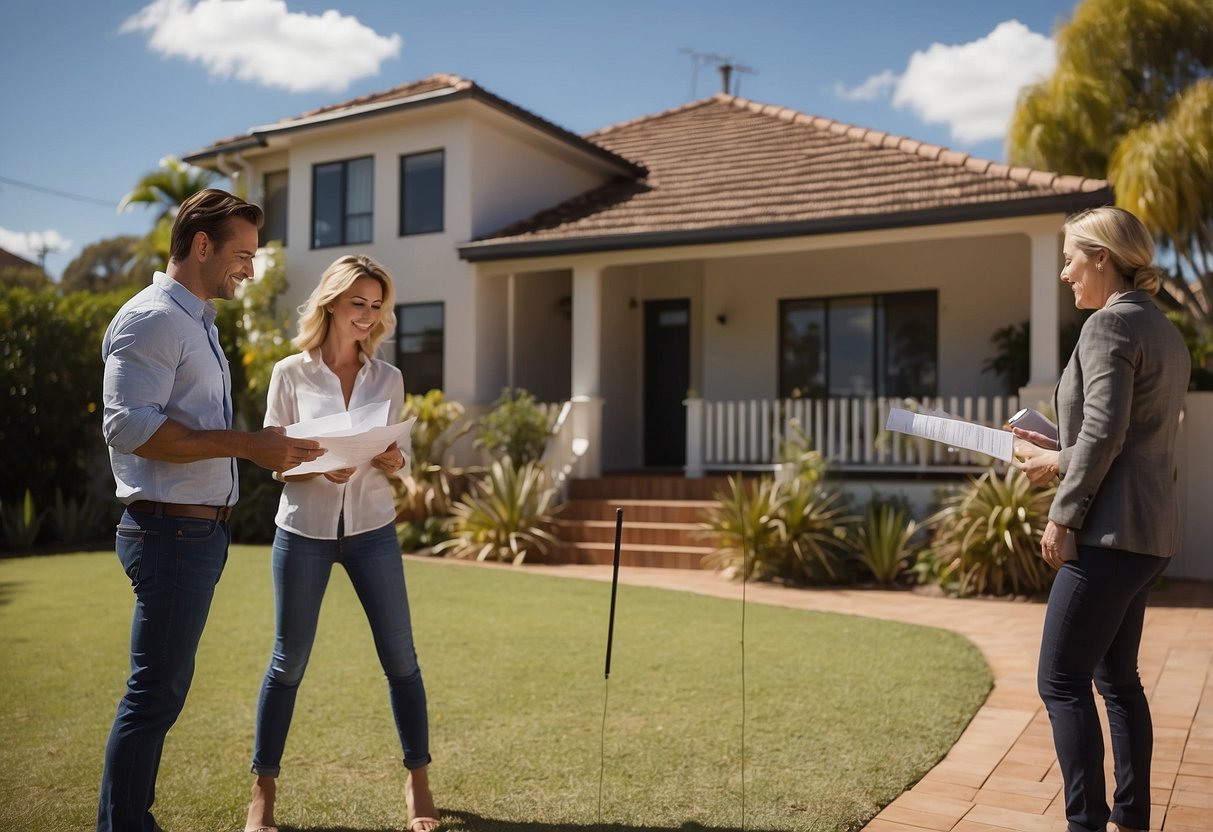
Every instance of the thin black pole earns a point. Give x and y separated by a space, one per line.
606 676
614 586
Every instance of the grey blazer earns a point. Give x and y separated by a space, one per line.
1118 406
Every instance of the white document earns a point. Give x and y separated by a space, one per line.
351 439
954 432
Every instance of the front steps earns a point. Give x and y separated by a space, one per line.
661 516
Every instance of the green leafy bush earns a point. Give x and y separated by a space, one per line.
50 389
987 535
517 427
435 430
505 516
795 531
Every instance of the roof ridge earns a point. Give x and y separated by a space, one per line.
925 150
690 105
456 82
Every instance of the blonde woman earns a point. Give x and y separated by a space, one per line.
345 516
1114 522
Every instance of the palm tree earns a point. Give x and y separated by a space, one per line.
1132 101
165 189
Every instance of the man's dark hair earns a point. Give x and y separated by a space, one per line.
209 211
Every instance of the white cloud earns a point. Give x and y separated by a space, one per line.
971 87
875 87
262 42
30 244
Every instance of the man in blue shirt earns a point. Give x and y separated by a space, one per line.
168 425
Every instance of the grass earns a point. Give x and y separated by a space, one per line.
842 713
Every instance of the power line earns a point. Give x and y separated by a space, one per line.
65 194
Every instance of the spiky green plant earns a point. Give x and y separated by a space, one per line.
989 531
504 517
796 530
21 523
886 541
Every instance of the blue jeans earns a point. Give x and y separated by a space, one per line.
174 564
301 572
1092 631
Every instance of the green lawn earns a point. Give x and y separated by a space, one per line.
842 713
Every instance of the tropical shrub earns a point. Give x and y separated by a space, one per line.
435 430
517 427
505 515
794 531
798 457
988 532
79 521
886 540
21 523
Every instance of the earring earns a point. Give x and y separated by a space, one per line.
1099 266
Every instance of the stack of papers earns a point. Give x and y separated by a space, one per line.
351 438
956 433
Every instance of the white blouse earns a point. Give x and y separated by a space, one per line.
303 387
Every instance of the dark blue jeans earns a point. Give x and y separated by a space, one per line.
1092 631
174 564
301 573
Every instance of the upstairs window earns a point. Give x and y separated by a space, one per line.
342 202
420 338
865 345
274 186
421 192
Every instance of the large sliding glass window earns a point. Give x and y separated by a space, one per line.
421 192
862 345
342 202
420 337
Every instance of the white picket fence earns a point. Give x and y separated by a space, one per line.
849 432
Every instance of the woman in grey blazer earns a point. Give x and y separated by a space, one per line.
1115 519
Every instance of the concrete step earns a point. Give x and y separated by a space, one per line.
636 511
634 532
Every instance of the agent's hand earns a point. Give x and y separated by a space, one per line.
271 448
1037 439
1053 542
341 475
390 461
1040 465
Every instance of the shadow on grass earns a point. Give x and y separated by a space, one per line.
475 823
7 590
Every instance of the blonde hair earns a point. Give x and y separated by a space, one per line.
1126 240
315 319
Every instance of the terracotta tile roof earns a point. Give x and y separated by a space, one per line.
15 261
434 89
727 163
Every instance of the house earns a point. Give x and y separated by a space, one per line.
688 280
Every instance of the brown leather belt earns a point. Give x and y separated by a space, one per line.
180 510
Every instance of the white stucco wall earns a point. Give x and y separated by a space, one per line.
982 285
543 332
514 177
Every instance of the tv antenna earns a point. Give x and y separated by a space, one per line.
730 71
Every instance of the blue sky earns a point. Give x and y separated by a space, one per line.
95 93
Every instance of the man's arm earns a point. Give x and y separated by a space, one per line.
270 447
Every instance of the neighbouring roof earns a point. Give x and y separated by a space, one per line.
433 90
10 260
726 168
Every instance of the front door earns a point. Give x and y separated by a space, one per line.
667 375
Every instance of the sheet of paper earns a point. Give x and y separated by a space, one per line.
346 449
954 432
345 423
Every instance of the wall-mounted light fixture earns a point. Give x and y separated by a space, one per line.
722 318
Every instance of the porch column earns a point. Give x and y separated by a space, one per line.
1043 365
695 415
587 365
511 289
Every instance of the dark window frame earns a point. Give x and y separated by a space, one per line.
879 365
266 200
401 312
403 229
344 212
